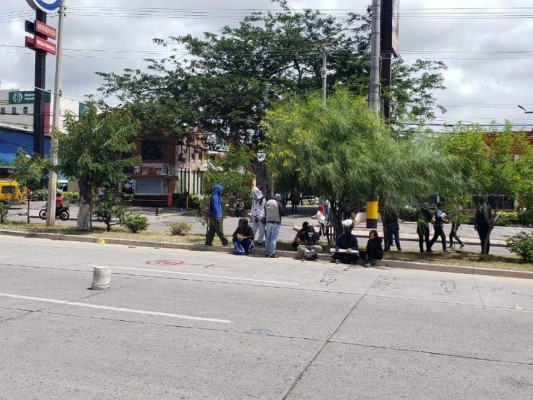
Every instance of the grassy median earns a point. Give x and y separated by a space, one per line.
469 259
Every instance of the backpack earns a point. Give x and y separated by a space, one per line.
207 210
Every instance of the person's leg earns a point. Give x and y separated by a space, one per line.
255 224
275 234
433 239
210 232
268 239
219 229
426 238
452 234
388 238
396 234
443 238
261 233
247 245
421 242
301 251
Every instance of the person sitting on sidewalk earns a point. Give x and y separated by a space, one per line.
346 248
295 241
308 248
243 238
374 250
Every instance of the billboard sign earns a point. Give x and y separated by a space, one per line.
390 27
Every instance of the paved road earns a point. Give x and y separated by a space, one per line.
192 325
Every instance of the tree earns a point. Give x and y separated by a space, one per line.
30 173
488 164
97 147
234 76
343 151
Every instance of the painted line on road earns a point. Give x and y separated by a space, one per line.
128 310
202 275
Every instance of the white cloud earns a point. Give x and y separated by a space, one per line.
484 80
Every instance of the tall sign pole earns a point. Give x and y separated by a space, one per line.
52 180
40 43
375 46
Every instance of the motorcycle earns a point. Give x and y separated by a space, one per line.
61 213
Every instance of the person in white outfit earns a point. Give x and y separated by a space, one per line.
258 213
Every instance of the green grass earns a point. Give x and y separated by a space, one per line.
467 259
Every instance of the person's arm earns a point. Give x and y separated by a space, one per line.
235 234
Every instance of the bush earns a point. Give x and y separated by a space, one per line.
4 211
109 207
39 195
134 222
71 197
180 228
522 245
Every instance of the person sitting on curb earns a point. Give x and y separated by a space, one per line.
308 248
374 250
346 249
295 241
243 238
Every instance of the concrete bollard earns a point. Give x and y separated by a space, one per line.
101 278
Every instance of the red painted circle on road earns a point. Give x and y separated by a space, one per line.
164 262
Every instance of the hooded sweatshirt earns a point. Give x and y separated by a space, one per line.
215 203
258 203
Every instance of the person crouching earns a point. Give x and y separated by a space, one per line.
243 238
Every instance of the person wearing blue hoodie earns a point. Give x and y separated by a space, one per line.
216 220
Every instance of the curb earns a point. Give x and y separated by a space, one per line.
282 253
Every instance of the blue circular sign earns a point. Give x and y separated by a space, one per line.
44 5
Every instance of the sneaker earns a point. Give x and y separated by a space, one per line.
225 243
368 265
337 261
208 244
462 245
274 256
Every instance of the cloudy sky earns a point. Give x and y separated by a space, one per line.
486 44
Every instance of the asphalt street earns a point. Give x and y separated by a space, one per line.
200 325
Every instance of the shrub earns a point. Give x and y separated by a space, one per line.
522 245
39 195
134 222
109 207
4 211
180 228
71 197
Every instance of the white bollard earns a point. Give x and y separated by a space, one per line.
101 278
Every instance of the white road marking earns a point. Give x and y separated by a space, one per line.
202 275
128 310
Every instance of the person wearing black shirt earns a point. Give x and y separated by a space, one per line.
243 237
374 250
346 247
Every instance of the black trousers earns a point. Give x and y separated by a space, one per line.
483 232
439 232
423 237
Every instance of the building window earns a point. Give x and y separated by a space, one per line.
14 110
2 110
24 110
151 150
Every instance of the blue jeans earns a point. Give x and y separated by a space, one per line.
271 237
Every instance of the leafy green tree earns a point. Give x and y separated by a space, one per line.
96 147
30 173
232 171
234 76
343 151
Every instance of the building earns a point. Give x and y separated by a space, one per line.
16 121
169 167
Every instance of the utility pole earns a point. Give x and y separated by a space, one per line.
324 72
52 180
375 46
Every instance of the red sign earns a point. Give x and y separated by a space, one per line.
40 44
46 30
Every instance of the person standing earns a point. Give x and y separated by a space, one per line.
392 224
84 214
439 218
322 220
295 199
216 219
274 210
346 210
374 250
483 223
422 227
258 213
456 223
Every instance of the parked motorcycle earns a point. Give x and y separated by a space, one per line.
61 213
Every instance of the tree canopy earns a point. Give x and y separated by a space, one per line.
233 77
97 147
344 151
